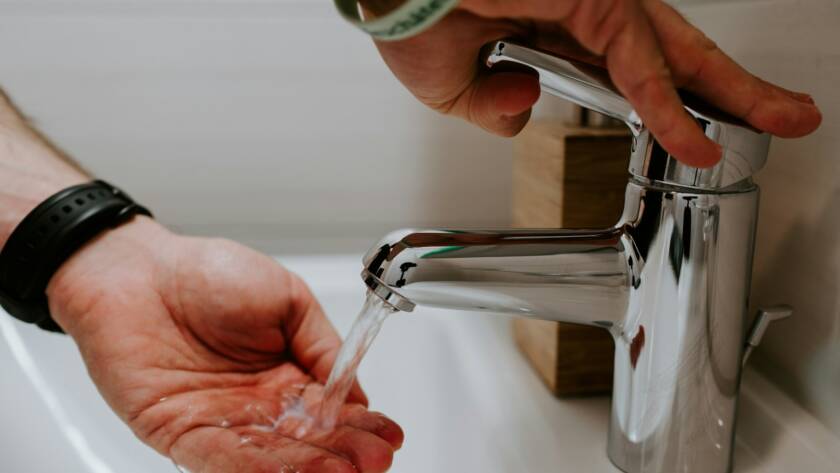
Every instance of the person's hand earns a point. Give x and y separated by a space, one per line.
200 346
647 46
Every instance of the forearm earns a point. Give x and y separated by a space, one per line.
31 168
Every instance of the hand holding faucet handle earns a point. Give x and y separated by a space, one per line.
649 49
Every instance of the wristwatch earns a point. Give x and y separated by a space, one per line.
48 236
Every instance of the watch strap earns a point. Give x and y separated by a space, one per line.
47 237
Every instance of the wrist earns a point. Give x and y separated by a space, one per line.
118 258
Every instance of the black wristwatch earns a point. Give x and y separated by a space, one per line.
47 237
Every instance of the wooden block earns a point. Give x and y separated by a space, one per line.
568 177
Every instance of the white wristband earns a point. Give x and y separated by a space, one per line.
411 18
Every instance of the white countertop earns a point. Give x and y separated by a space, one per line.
455 381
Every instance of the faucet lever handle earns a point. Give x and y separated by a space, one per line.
744 148
759 328
580 83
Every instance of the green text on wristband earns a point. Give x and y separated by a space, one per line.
408 20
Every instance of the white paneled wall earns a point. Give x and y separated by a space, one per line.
797 44
271 121
274 122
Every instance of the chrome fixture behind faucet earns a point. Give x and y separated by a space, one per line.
670 280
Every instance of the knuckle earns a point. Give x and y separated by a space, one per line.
650 84
690 69
444 108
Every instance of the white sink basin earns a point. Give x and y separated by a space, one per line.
454 381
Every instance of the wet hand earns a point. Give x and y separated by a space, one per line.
209 351
648 48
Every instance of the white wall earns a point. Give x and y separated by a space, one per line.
797 44
271 121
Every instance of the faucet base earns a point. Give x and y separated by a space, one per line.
679 348
627 469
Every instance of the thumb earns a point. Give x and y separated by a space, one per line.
500 102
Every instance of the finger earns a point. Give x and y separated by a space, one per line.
357 394
313 340
638 69
441 69
620 31
375 423
499 102
368 452
553 37
700 66
798 96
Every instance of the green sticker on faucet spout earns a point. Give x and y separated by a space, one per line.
440 251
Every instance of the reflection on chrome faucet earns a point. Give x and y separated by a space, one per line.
670 280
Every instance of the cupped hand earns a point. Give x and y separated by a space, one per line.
649 49
210 352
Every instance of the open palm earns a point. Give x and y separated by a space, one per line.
211 352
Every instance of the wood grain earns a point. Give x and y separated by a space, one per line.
568 177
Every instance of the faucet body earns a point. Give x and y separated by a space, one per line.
670 280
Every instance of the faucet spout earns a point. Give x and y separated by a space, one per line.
575 276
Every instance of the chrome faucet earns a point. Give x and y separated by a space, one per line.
670 280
